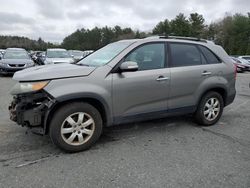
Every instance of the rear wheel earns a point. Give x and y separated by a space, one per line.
210 109
76 127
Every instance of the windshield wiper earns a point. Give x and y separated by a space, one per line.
81 64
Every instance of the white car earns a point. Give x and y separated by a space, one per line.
76 54
57 55
246 57
87 52
1 53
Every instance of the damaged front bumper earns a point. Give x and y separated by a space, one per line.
31 109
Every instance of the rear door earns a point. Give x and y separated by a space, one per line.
188 71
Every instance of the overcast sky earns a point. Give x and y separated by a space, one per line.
54 19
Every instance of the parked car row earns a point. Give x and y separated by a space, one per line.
246 57
1 53
15 59
59 55
241 63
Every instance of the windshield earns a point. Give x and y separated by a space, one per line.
105 54
16 55
58 54
248 58
244 61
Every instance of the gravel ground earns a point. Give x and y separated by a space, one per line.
171 152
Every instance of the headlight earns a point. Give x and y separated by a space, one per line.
25 87
3 64
47 62
30 64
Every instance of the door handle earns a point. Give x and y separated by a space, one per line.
206 73
162 78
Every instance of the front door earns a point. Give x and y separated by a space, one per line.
141 93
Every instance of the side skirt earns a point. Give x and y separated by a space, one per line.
153 115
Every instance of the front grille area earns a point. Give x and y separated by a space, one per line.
16 65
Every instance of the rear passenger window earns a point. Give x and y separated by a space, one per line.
185 55
210 57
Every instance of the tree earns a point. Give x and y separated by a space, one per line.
23 42
196 24
161 28
180 26
233 33
210 31
240 33
107 36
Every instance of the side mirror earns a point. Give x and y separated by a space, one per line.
129 66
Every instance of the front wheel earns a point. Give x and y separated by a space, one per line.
209 109
76 127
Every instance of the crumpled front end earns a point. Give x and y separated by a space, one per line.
30 109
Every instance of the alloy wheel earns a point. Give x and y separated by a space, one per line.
77 128
211 109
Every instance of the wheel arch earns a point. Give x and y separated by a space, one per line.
219 89
98 102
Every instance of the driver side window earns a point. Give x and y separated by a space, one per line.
149 56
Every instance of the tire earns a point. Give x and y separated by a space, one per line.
66 125
205 108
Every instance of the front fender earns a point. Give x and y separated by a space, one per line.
69 89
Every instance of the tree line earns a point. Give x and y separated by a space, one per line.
232 33
24 42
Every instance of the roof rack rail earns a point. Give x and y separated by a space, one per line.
183 38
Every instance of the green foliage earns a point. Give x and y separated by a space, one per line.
196 24
231 32
180 26
23 42
162 28
97 37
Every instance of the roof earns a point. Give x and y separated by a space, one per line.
75 51
16 49
56 49
171 39
244 56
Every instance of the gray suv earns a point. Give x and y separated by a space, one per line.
126 81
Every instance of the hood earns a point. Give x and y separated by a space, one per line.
16 61
49 72
59 60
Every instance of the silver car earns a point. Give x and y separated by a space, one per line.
76 54
2 51
243 62
87 52
126 81
246 57
57 56
15 59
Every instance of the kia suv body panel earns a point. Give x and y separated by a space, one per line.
126 81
